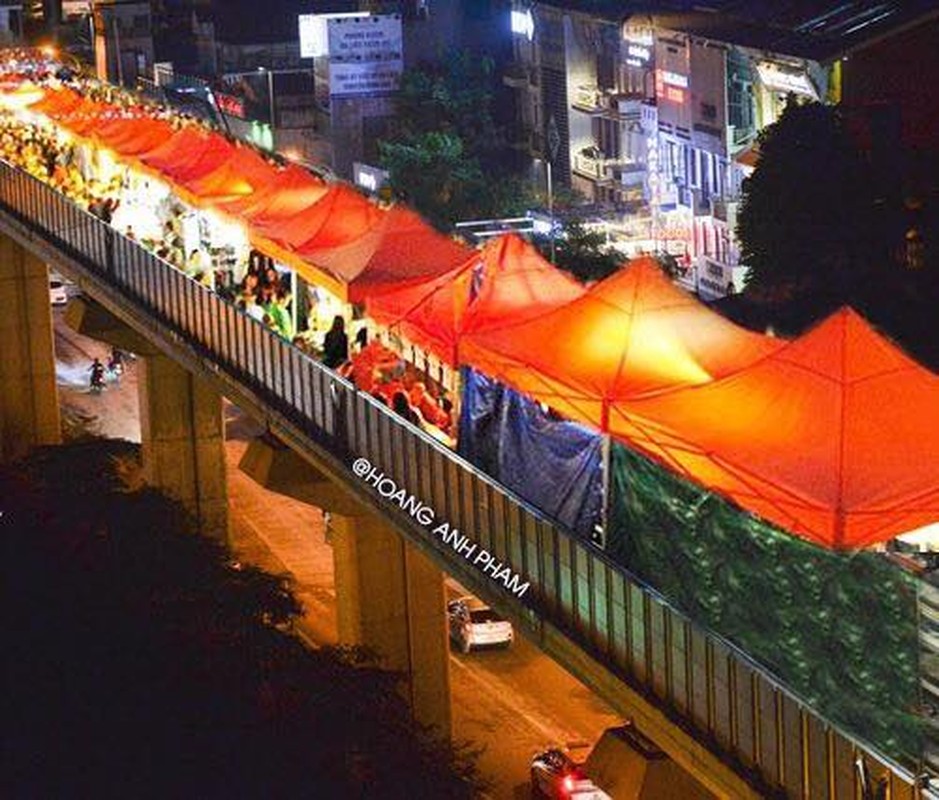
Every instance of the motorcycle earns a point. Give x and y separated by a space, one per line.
97 378
116 363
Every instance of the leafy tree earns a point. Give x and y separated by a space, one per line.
807 223
449 155
582 251
432 173
142 662
823 226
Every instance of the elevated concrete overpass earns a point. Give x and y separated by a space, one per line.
405 509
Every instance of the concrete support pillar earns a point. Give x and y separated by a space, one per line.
183 441
29 401
390 598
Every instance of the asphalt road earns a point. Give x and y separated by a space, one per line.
510 703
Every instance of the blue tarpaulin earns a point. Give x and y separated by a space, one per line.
554 464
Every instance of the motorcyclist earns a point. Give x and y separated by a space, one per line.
116 361
97 374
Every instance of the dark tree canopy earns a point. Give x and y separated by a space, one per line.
449 156
824 224
140 661
807 213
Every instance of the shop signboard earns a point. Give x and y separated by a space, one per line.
714 278
311 38
229 104
365 54
372 179
374 77
779 79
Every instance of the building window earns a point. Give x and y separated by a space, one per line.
740 111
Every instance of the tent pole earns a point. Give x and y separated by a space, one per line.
605 448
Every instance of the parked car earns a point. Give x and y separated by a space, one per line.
557 773
473 624
57 294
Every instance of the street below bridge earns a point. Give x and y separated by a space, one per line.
511 703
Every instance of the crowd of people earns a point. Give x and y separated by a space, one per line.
38 151
383 374
262 292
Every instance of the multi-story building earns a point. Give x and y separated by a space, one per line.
654 117
123 40
11 21
277 73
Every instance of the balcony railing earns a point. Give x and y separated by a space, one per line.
590 100
699 680
593 168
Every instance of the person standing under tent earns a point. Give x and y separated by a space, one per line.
336 344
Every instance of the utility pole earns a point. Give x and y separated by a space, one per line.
553 140
550 207
270 93
117 48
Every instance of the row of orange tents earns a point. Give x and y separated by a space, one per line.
831 436
328 232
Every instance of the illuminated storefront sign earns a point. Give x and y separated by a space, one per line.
674 79
261 135
780 80
231 105
638 55
635 34
523 24
314 33
370 178
670 86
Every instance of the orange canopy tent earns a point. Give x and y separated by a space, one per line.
289 192
238 176
131 137
506 281
401 248
830 437
340 216
631 335
56 101
83 117
189 154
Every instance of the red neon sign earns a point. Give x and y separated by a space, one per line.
231 105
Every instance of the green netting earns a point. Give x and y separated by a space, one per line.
840 630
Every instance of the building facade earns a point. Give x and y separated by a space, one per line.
123 41
653 124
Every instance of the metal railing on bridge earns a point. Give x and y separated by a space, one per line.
702 682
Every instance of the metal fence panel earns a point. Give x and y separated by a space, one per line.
582 589
768 730
530 564
792 744
816 752
843 754
600 605
723 718
659 646
700 679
